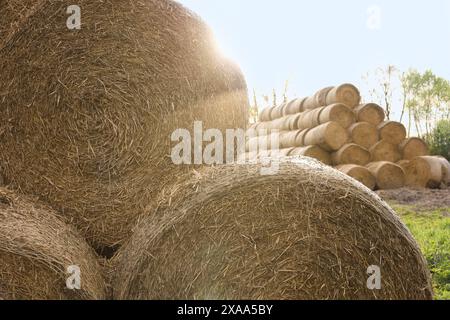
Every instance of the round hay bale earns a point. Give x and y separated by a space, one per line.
307 232
87 120
392 131
308 119
264 142
346 93
364 134
315 152
292 138
321 96
294 106
359 173
413 147
36 248
276 112
338 113
265 115
351 154
387 174
370 112
293 121
310 103
329 136
317 100
385 151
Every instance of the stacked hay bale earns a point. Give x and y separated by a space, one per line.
334 127
85 123
319 234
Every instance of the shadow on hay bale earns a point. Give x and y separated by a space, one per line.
36 248
308 232
86 115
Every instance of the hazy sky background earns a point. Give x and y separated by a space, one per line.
318 43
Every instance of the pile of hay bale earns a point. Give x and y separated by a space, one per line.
85 123
334 127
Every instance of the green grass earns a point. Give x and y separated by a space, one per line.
432 231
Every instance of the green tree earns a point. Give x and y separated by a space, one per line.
439 139
427 99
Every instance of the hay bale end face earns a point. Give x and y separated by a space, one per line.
346 93
392 132
385 151
338 113
351 154
307 232
371 113
36 248
387 174
88 129
329 136
364 134
413 147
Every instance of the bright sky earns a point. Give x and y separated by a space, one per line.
314 44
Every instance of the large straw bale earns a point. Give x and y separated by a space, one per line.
86 115
306 232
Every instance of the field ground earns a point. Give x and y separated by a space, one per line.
427 215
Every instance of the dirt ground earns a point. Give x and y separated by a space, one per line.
422 199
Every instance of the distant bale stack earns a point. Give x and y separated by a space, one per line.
392 132
329 136
370 112
387 174
267 244
385 151
317 131
351 153
36 249
86 122
413 147
359 173
364 134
